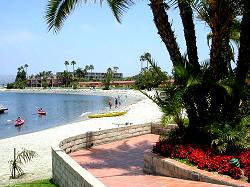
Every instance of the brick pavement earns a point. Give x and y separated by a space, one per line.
120 164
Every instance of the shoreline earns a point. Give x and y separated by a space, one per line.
143 111
133 98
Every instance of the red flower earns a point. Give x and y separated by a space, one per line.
205 158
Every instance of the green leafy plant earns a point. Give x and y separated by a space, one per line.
20 158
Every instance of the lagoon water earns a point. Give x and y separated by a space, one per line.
60 108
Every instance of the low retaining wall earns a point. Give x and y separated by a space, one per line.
157 165
66 172
90 139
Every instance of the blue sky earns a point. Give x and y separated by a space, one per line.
91 35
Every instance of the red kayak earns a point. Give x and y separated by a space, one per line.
41 112
19 122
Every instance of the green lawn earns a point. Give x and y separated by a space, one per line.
40 183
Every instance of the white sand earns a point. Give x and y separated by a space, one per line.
141 112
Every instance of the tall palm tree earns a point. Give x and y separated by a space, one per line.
66 63
26 66
73 63
234 39
91 67
219 15
186 14
145 57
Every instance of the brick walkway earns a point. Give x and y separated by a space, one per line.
120 164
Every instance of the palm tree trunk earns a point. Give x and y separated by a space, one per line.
165 31
186 14
244 51
14 169
222 16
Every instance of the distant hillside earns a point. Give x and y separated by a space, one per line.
5 79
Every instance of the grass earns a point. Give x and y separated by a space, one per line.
39 183
111 114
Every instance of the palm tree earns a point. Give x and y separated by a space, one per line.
91 67
107 78
26 66
234 39
87 68
20 158
80 73
66 63
145 57
73 63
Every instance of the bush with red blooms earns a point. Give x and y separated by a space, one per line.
205 158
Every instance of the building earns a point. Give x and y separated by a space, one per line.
38 82
100 76
112 83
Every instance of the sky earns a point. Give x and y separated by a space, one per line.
90 35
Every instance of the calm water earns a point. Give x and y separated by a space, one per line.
60 108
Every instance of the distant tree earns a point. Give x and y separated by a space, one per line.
91 67
26 66
145 58
148 79
87 68
66 63
21 74
80 73
73 63
107 79
66 77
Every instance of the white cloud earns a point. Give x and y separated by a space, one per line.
16 37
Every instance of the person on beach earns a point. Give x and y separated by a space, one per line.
119 100
116 102
110 103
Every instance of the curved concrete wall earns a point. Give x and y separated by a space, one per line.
67 173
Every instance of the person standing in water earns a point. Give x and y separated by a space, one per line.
116 103
110 103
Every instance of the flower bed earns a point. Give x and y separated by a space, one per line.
204 158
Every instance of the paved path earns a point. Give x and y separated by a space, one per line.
120 164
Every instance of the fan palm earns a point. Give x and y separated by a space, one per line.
73 63
26 66
91 67
66 63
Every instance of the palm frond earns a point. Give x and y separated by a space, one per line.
25 155
119 6
57 11
22 157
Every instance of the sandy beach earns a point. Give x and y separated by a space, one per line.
139 112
